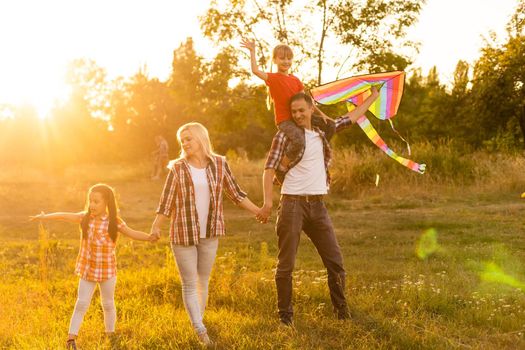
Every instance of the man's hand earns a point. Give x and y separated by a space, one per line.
374 91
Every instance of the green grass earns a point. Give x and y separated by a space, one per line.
398 301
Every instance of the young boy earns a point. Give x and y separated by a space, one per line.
282 86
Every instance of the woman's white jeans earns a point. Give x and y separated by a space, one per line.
107 296
195 264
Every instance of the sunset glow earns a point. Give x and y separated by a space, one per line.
122 36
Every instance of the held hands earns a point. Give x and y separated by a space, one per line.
154 233
264 214
153 238
248 44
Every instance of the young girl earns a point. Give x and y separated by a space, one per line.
283 85
192 197
96 261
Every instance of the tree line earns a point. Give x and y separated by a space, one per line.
117 119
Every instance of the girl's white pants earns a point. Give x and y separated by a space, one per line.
107 296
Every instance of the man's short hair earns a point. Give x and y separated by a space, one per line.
302 96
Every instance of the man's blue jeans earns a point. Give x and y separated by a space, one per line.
294 216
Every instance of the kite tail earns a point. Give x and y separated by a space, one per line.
372 134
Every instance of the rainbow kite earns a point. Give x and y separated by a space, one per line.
355 90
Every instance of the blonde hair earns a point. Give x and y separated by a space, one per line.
281 49
198 131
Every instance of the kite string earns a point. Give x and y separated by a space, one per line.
401 137
372 134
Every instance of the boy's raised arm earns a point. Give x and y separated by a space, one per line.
250 45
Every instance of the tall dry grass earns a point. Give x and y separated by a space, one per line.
450 168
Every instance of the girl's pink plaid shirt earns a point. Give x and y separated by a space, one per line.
178 200
96 259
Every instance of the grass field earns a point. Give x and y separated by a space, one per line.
465 291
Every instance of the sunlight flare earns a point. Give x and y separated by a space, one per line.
427 244
493 273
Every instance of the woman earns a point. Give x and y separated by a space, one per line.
192 197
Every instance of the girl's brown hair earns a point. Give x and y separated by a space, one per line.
108 194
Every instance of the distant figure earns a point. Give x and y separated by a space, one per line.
160 157
96 261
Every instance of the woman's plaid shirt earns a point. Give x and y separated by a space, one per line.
178 200
96 259
280 141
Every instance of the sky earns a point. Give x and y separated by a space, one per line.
450 30
38 38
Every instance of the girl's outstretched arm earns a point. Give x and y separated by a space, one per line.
59 216
136 235
250 45
363 107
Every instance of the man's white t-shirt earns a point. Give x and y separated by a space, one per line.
308 177
202 197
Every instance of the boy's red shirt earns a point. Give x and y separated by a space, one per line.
282 88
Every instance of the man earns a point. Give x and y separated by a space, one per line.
301 207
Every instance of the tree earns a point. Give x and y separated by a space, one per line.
80 125
516 25
366 32
371 29
185 84
22 135
498 89
238 114
141 108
